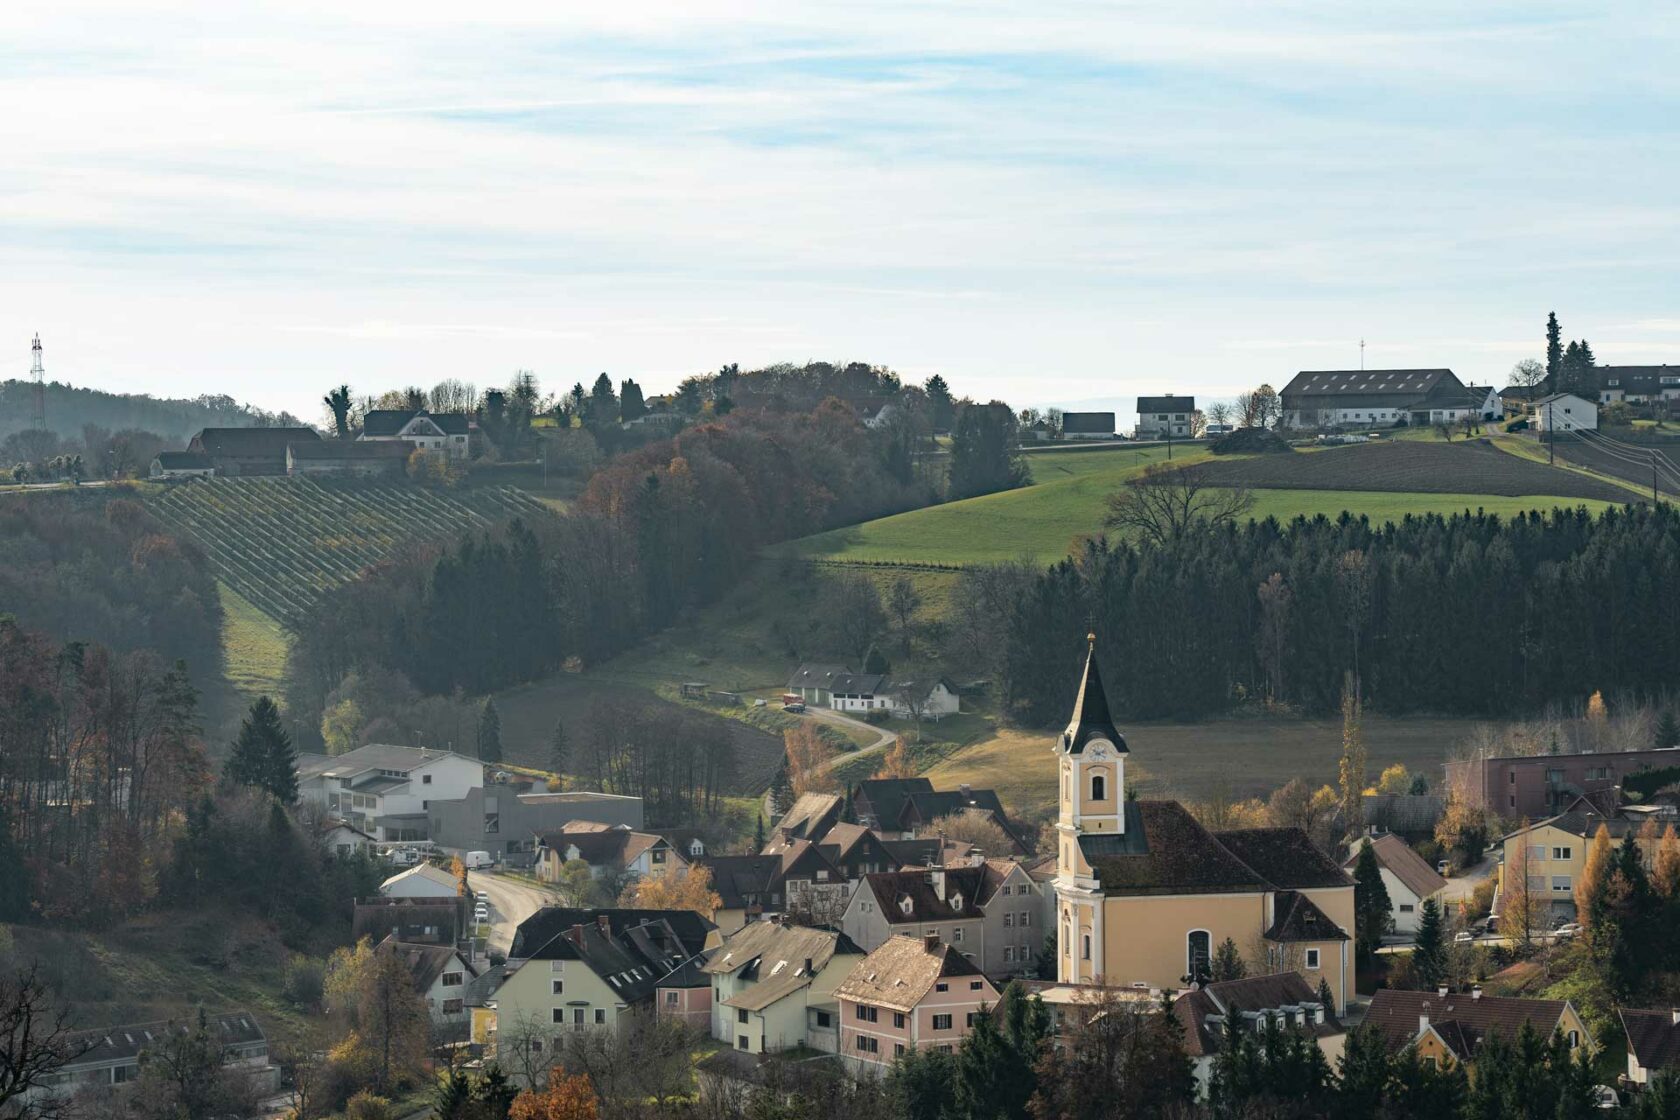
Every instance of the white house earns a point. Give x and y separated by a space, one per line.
108 1058
837 687
931 698
1564 412
420 881
614 848
446 432
181 464
441 975
342 839
773 987
1407 877
1485 401
1653 1039
1167 417
384 790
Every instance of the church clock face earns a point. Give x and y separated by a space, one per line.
1098 748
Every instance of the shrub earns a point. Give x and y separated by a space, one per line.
1250 441
366 1106
304 982
1517 425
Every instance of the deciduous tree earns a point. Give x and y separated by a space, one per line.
675 890
896 762
809 760
1164 503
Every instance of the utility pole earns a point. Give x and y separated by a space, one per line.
1362 354
1653 477
1551 438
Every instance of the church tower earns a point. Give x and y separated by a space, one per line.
1091 772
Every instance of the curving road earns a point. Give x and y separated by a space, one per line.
511 902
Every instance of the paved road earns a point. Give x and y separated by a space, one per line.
1463 885
511 902
884 738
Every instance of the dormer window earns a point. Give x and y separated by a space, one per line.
957 901
906 905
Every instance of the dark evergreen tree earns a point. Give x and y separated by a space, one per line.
1363 1075
1554 350
985 451
1372 915
941 408
1429 951
489 733
1668 731
14 880
988 1077
758 835
262 756
631 405
919 1084
601 410
876 661
557 747
1227 962
1325 995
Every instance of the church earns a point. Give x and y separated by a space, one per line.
1145 894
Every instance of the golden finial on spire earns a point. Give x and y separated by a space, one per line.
1091 637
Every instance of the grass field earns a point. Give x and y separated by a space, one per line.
253 646
1066 500
1249 757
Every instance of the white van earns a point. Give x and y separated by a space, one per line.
475 860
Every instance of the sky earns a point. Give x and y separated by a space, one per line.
1049 204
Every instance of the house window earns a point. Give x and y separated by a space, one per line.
1561 883
974 985
956 934
600 1015
741 1042
898 1049
824 1019
452 979
1026 919
452 1006
1312 959
1009 954
670 999
941 1022
942 986
1574 1039
1563 853
868 1044
559 1016
556 987
898 1019
1407 908
740 1014
1008 921
968 1019
658 855
1198 951
1537 852
1429 1060
425 779
577 1016
867 1014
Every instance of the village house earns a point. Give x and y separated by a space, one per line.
1167 417
932 851
1515 400
991 912
1653 1042
773 987
247 452
1564 412
423 880
1444 1025
108 1058
1551 855
810 817
1485 402
1145 893
857 851
169 465
385 790
1638 384
441 974
1543 785
608 850
343 458
902 808
413 921
506 818
574 970
1282 999
837 687
446 433
910 993
798 879
1409 880
1369 397
1088 425
342 839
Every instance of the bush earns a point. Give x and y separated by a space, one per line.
1517 425
366 1106
305 980
1481 899
1250 441
877 716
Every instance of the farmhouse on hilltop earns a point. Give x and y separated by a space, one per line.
366 460
445 432
243 452
837 687
1564 412
1145 893
1638 384
1355 397
1166 417
1087 425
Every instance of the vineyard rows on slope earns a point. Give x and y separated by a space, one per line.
284 542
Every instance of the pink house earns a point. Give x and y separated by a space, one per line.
912 992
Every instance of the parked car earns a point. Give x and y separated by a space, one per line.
1214 430
1606 1097
481 914
483 898
795 708
1464 937
1567 931
1442 866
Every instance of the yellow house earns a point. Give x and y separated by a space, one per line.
1544 862
1449 1026
1145 895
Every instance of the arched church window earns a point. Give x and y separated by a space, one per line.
1099 787
1085 947
1198 954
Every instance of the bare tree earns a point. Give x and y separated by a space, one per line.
523 1049
1528 373
35 1042
1164 503
1268 407
1520 902
1219 412
975 827
903 601
1248 411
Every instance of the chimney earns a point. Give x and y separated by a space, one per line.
604 925
809 970
1442 991
1475 991
930 942
1674 1016
937 878
1423 1022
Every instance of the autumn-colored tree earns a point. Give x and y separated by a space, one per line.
1522 902
1595 876
1351 772
566 1098
809 761
1463 827
1665 868
690 890
370 992
895 763
458 870
974 827
1395 779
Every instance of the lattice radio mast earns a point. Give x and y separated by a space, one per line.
38 373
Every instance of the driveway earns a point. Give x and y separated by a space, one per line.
1463 885
884 738
511 902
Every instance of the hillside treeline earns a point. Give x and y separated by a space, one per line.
69 407
1469 615
657 532
83 567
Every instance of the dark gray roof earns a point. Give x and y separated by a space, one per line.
1462 1018
1639 379
386 422
1409 384
536 935
1091 719
1295 917
1167 403
1284 857
1239 999
349 450
1088 422
121 1043
1164 850
425 962
268 442
1653 1037
183 461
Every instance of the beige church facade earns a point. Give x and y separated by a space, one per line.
1145 895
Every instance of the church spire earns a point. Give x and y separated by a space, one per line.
1091 718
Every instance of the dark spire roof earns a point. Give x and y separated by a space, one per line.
1090 711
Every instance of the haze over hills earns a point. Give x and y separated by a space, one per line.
69 407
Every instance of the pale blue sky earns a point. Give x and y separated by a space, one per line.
1047 203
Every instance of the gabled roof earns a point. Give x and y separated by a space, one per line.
1284 857
536 936
834 678
614 845
1638 379
106 1045
901 973
373 756
407 918
773 956
349 450
842 840
1164 850
1091 719
1653 1037
267 442
914 897
1561 396
811 816
422 871
1168 403
742 881
426 962
386 422
929 851
1295 917
1460 1018
1403 863
887 797
1379 387
183 461
1245 1000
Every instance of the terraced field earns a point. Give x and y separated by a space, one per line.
283 542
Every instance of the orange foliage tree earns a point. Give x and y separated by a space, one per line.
896 762
1595 876
677 890
809 761
566 1098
